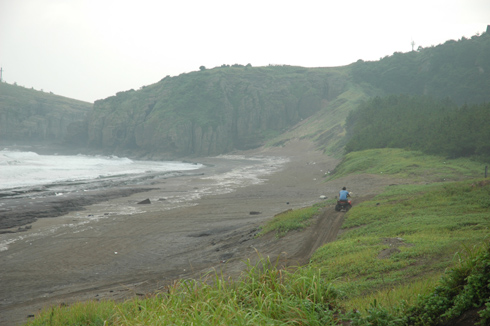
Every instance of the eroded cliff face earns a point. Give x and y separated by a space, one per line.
32 116
211 112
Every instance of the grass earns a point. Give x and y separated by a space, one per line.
390 297
431 220
412 165
264 295
427 227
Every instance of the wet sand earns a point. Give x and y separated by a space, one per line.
116 249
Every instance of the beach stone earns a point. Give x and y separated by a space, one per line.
145 202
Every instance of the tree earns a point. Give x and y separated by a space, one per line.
202 68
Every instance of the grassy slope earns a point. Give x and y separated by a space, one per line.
420 227
326 126
16 98
396 246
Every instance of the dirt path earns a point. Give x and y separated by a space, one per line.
127 255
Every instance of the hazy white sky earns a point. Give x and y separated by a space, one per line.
91 49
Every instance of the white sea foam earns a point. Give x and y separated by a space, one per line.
246 175
28 169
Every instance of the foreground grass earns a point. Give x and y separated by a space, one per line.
264 295
462 289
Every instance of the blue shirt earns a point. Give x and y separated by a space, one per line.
343 194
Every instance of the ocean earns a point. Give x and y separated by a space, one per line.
31 174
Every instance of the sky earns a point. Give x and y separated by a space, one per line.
92 49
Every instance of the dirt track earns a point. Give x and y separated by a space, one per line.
127 255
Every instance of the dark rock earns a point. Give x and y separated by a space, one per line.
226 256
52 207
145 202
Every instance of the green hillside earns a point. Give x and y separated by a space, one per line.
31 116
458 70
454 75
420 123
214 111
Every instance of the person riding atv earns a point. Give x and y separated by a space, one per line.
343 204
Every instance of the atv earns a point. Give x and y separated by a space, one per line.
343 206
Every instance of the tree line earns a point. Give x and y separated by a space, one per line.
421 123
459 70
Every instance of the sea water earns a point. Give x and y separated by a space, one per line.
29 172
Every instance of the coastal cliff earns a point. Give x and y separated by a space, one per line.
210 112
32 116
219 110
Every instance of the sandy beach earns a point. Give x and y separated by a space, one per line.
116 248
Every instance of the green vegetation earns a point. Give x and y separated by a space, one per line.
325 127
413 165
422 225
462 288
217 110
420 123
459 70
34 116
214 111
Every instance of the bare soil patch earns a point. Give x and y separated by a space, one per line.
394 244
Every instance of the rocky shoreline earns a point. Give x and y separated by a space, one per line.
17 213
